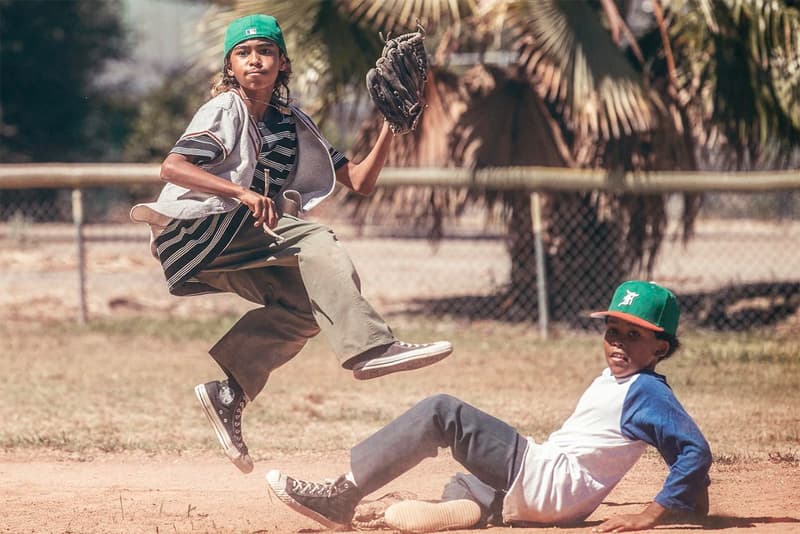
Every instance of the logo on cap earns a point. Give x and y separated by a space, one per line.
627 300
250 31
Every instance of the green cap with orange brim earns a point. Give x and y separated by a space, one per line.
644 304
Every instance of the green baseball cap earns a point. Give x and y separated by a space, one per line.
253 27
644 304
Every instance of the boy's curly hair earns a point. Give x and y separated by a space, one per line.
224 82
674 344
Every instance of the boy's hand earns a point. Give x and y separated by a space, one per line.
648 518
263 208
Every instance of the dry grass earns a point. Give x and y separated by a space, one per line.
126 384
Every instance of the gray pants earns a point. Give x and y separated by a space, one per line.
302 285
487 447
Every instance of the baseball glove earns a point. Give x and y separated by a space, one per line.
397 83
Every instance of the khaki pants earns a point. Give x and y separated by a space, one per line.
305 284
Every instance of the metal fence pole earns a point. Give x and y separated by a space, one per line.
77 219
541 276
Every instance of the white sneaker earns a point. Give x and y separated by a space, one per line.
400 356
422 516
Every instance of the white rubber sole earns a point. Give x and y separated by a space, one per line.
406 361
277 483
243 462
421 516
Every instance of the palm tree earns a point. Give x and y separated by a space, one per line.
622 86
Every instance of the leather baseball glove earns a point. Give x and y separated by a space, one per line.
397 83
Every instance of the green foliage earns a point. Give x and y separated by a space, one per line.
50 52
163 114
739 67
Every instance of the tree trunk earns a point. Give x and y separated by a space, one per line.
585 255
520 302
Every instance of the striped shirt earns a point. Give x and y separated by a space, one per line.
185 246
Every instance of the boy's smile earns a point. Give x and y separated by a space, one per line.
630 348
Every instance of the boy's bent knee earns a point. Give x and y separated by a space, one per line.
439 402
323 245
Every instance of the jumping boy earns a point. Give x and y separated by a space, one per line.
229 220
563 480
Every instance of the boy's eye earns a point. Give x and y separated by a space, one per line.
612 333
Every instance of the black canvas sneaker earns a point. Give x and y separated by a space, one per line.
223 403
331 503
400 356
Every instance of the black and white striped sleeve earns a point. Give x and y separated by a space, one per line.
199 149
339 159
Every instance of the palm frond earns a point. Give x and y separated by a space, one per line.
783 59
399 16
739 63
573 62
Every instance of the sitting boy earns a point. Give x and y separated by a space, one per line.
562 480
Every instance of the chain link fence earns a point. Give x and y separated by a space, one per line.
740 269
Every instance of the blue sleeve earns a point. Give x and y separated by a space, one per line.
651 413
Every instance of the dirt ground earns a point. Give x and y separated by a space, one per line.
131 493
43 492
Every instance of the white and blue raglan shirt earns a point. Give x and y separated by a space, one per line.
565 478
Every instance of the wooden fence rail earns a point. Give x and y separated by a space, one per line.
81 175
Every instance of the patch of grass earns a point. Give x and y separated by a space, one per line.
173 329
790 458
126 385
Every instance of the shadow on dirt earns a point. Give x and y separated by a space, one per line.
734 307
718 522
712 522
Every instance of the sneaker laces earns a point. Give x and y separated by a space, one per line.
237 426
228 391
315 489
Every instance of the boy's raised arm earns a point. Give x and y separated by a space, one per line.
361 177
